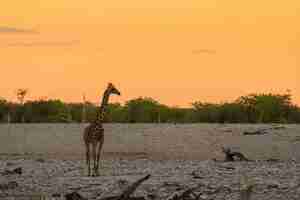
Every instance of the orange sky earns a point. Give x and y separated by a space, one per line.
172 50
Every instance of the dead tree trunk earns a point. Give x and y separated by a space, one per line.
129 191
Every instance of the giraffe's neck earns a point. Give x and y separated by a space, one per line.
102 110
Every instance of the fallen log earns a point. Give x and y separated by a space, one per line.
263 131
258 132
124 196
278 127
273 160
188 194
230 155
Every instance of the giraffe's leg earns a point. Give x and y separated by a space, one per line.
94 146
88 160
98 155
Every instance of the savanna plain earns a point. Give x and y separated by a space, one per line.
177 156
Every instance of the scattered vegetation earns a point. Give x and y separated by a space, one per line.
253 108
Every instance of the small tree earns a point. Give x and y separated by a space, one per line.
3 109
21 93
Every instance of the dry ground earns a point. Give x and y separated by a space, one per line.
177 156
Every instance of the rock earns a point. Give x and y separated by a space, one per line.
18 170
14 171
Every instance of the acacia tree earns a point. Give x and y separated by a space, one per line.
265 108
142 109
249 103
273 107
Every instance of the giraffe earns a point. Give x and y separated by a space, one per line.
93 134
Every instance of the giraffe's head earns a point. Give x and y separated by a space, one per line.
112 89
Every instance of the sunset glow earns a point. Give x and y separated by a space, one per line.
174 51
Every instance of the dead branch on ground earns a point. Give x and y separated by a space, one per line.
230 155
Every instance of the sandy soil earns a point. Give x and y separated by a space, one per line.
164 141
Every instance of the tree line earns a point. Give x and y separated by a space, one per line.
252 108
